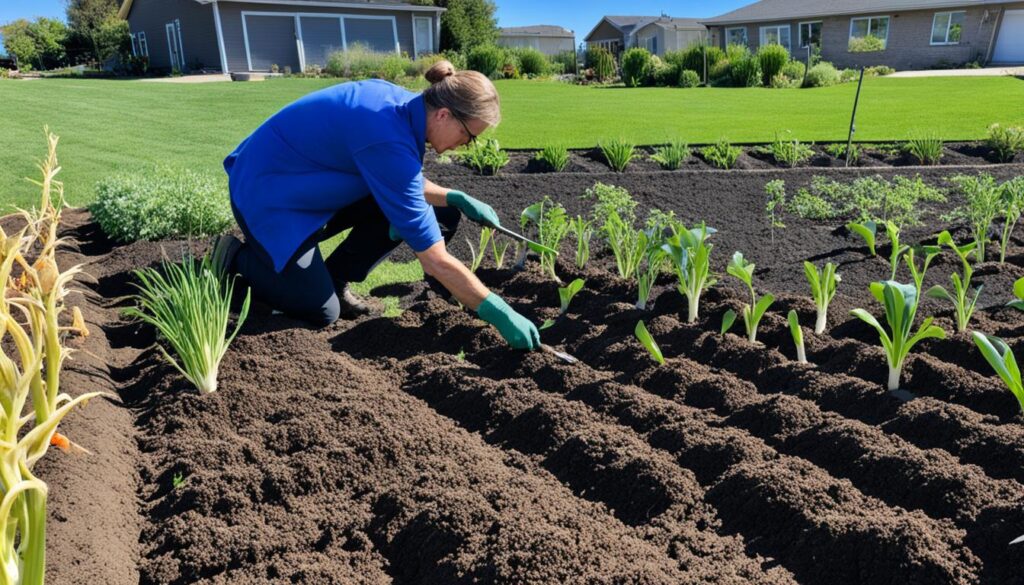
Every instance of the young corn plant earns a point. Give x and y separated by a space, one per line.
671 156
499 247
823 288
983 203
963 304
189 304
798 336
1012 198
555 157
648 342
896 250
619 153
743 269
583 230
646 275
722 154
478 253
566 294
776 192
917 272
999 355
1018 292
900 302
689 252
32 352
867 230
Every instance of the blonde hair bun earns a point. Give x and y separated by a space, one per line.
440 71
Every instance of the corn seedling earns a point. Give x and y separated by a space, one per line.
1018 292
189 304
896 250
999 355
478 253
926 149
671 156
900 302
689 252
722 154
963 305
555 157
1012 197
499 247
798 336
178 480
743 269
983 203
917 272
32 352
867 230
646 275
618 153
823 287
648 342
566 294
776 192
582 230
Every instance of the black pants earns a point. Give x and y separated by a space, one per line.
308 286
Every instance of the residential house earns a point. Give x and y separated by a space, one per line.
550 40
234 36
658 34
907 34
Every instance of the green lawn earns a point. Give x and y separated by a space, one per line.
107 126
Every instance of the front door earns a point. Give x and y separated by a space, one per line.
174 46
423 29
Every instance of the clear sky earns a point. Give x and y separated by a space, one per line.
577 15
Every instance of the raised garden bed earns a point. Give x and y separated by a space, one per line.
421 449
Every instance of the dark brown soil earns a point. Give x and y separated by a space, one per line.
421 450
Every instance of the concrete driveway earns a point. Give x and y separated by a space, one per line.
1017 71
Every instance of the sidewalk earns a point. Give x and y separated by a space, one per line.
983 72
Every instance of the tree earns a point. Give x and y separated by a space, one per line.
467 24
38 44
96 23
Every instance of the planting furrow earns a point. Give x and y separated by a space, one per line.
598 460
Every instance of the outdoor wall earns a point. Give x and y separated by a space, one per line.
605 32
546 45
198 33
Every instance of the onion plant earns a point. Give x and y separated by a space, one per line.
486 156
190 304
647 274
582 229
999 355
499 247
963 305
823 288
618 153
555 157
900 302
798 336
672 155
743 269
689 252
478 253
648 342
1012 197
926 149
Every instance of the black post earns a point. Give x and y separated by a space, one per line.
853 118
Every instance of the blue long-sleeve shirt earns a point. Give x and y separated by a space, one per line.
326 151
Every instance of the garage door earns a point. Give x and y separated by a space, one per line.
1010 43
321 36
271 41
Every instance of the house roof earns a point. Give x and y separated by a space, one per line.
770 10
540 30
627 25
669 23
126 5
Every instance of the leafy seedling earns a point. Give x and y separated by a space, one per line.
917 272
755 310
1018 291
728 318
648 342
798 336
566 294
999 355
893 231
478 253
866 230
178 480
690 252
645 276
963 305
823 288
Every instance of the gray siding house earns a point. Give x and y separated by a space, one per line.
233 36
658 34
914 34
550 40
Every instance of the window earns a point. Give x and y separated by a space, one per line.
810 34
869 33
736 36
651 44
778 35
947 27
143 48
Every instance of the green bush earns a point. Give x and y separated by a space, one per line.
457 59
822 75
636 67
393 67
162 203
359 62
556 157
720 75
794 70
618 152
848 75
721 154
866 44
666 75
672 155
486 156
1006 141
746 72
689 78
692 57
735 52
532 61
601 61
879 70
927 149
566 61
771 58
486 59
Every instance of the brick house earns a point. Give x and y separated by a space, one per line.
231 36
657 34
905 34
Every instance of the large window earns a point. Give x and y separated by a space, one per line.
736 36
810 34
778 35
870 33
140 48
947 28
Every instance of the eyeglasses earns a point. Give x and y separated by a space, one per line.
472 137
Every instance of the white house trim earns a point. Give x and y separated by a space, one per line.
800 32
415 45
299 44
220 38
949 26
397 7
888 27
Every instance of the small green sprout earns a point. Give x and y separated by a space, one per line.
582 230
798 336
566 294
893 231
689 253
178 480
866 230
776 192
1018 291
648 342
823 289
478 253
963 305
999 355
755 310
499 250
645 276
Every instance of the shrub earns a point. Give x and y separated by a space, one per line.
847 75
720 75
357 62
736 52
692 57
1006 141
780 81
794 70
689 78
821 75
456 58
164 203
879 70
636 67
926 149
746 72
486 156
721 154
394 67
601 61
789 151
672 155
667 75
566 61
486 59
866 44
807 205
771 59
532 61
555 157
618 153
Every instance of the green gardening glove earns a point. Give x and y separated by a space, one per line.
474 209
517 330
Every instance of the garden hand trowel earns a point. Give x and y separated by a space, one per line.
559 354
538 248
